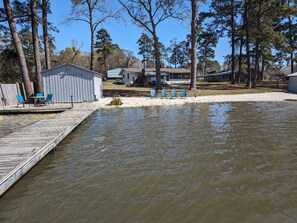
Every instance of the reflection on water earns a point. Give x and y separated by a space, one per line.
229 162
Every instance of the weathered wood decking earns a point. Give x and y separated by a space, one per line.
21 150
56 108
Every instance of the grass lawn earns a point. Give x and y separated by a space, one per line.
203 89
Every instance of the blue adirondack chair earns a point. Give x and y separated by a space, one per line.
173 93
21 100
48 99
183 93
153 94
164 93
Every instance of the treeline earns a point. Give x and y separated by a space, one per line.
259 32
24 52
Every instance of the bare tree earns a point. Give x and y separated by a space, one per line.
34 19
93 12
45 9
19 48
149 14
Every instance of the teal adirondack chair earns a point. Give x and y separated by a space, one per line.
48 99
153 94
183 93
173 93
21 100
164 93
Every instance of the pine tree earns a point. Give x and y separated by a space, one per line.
225 14
34 20
104 47
145 46
45 10
179 53
287 26
206 42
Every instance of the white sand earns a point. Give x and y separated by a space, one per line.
145 101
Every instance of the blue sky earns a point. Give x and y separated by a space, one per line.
125 34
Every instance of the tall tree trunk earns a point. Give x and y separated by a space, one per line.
105 65
291 44
256 67
255 73
240 59
175 60
92 28
233 43
34 18
157 59
19 48
291 39
158 63
263 64
92 49
248 53
193 45
45 34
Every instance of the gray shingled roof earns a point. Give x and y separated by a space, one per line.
292 75
73 65
286 70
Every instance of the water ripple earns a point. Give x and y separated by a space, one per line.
228 162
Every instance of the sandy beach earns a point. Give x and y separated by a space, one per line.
144 102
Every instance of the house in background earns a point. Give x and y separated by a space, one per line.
218 76
114 74
221 76
287 70
69 80
168 75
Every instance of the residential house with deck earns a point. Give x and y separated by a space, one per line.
148 76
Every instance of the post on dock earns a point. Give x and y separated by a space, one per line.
71 101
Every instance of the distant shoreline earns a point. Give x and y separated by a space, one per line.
147 102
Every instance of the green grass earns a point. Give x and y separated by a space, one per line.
203 89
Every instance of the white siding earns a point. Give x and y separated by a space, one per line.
98 87
129 80
68 80
293 84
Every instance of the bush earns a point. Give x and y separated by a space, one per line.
116 101
118 81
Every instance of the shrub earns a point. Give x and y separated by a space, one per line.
118 82
116 101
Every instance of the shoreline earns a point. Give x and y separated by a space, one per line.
130 102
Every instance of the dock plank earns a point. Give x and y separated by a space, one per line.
21 150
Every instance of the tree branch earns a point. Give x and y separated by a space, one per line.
135 18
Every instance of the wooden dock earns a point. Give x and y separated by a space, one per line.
13 110
21 150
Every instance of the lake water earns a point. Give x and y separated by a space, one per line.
229 162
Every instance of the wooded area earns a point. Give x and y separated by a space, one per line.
262 35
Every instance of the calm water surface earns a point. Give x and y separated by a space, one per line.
229 162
